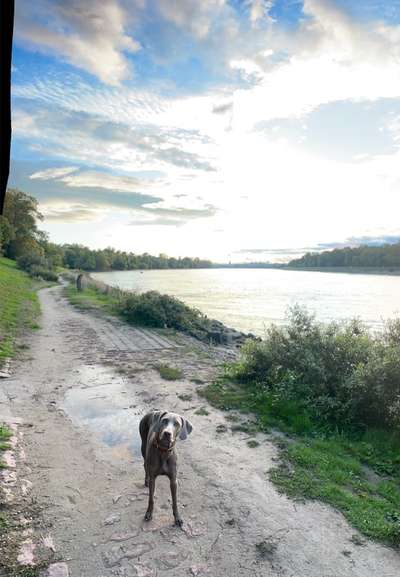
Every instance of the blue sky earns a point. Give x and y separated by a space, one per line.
222 129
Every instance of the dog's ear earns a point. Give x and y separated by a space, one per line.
186 429
158 417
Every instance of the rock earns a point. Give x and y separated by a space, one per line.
56 570
112 519
199 570
117 553
172 559
143 571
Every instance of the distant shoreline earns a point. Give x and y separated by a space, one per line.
348 270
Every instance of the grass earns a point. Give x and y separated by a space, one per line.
91 298
252 443
169 373
19 305
202 412
358 474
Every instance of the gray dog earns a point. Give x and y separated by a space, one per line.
159 432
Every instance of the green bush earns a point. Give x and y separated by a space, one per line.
158 310
43 273
27 261
337 373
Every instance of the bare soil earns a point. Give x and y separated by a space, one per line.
79 394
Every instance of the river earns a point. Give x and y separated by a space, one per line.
251 299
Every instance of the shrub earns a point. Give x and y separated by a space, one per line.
337 373
43 273
158 310
27 261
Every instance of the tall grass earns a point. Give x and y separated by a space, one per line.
19 305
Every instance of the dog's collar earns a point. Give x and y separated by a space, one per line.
157 445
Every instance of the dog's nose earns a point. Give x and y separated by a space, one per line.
167 434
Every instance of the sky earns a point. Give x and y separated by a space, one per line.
241 130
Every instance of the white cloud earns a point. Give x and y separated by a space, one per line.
194 16
91 35
259 9
50 173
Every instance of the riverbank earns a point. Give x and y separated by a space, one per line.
153 309
346 269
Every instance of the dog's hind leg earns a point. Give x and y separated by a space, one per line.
144 431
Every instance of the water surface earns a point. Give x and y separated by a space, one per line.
251 299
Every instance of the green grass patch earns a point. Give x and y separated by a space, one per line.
252 443
332 470
19 305
357 473
169 373
91 298
202 412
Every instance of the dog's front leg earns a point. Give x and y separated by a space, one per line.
174 486
152 486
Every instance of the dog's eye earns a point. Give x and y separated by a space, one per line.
164 421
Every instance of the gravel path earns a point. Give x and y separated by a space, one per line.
80 394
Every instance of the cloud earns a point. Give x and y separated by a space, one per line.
191 15
170 216
50 173
88 34
222 108
354 241
71 213
259 10
328 57
96 179
92 139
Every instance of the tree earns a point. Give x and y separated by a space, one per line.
6 233
21 212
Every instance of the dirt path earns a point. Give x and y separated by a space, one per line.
80 396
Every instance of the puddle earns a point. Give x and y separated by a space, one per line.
102 403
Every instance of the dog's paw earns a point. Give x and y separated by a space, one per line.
148 516
178 522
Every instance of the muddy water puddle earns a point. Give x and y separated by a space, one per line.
101 401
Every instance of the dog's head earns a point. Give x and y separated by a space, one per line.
170 427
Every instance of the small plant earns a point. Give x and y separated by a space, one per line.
252 443
202 412
185 397
3 523
169 373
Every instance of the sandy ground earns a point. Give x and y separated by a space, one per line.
80 393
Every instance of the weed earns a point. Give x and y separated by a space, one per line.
3 523
169 373
202 412
252 443
185 397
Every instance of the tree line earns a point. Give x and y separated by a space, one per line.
22 240
385 256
